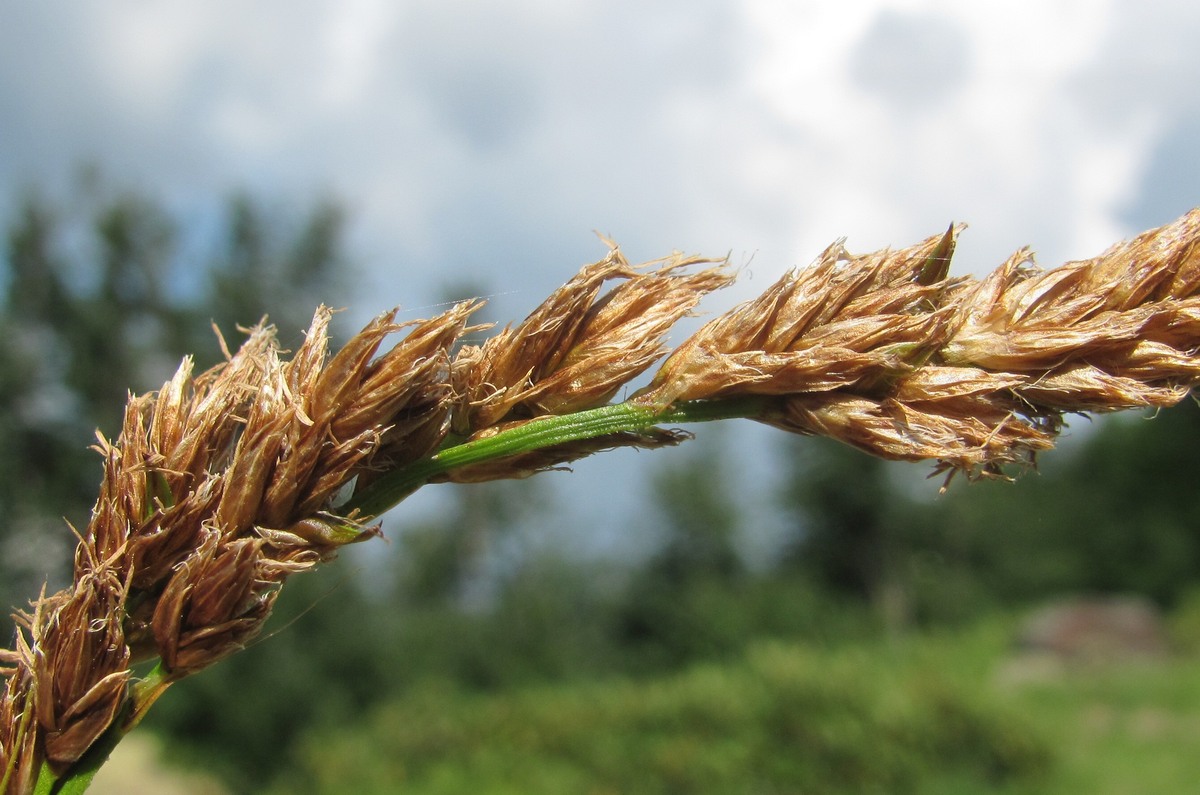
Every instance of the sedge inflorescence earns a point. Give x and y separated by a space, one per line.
223 484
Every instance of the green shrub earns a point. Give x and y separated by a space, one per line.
782 720
1184 623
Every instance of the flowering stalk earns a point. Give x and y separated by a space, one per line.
548 432
224 484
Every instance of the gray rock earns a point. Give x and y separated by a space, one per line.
1096 629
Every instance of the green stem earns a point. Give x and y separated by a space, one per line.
390 489
46 781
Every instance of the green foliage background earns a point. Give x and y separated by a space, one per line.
475 662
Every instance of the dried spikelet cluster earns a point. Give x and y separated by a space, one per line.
215 492
223 484
887 353
573 353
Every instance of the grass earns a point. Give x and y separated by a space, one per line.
1121 731
937 714
1111 730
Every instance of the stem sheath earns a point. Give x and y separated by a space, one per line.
389 490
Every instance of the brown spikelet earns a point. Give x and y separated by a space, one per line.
574 353
80 665
252 468
211 605
968 433
623 334
579 347
844 321
218 406
884 353
490 380
18 735
218 488
166 537
1131 309
407 393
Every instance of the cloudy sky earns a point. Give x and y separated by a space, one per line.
483 142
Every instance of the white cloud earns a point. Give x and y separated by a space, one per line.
143 56
1004 145
352 43
753 126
